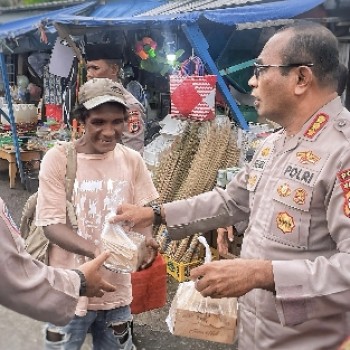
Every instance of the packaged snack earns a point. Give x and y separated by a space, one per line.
128 248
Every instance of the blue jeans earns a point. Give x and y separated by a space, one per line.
99 324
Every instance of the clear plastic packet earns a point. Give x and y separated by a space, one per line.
192 315
128 248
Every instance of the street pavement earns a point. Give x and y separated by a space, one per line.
18 332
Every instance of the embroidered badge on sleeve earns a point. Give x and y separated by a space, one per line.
344 178
134 124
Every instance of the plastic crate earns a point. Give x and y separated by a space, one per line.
179 270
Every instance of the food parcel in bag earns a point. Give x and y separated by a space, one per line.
194 316
128 248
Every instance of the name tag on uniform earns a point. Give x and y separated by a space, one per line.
300 174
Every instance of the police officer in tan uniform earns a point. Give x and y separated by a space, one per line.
103 61
293 276
40 291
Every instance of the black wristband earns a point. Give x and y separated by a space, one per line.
157 214
83 284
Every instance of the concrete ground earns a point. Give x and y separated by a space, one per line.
18 332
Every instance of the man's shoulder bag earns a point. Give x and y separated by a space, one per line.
36 242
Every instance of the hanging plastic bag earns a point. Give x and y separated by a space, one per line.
192 315
128 248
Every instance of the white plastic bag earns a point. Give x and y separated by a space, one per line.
127 247
192 315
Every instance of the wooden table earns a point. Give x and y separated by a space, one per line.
10 156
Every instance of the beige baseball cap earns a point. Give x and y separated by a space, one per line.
98 91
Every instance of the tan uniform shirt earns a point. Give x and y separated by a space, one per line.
296 194
30 287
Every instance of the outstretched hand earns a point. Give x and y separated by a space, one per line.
233 277
152 250
133 216
96 285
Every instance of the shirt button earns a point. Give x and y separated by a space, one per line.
341 123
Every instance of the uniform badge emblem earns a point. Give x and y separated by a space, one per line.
284 190
344 178
316 125
307 157
285 222
300 196
252 180
266 151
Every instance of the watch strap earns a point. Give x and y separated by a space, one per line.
83 283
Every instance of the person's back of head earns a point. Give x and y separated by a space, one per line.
314 44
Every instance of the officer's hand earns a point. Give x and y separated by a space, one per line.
152 251
224 235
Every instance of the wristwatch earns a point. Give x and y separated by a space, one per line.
83 283
157 214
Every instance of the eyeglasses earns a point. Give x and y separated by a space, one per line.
258 68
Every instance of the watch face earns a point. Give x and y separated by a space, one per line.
157 214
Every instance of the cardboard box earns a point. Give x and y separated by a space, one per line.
217 328
194 316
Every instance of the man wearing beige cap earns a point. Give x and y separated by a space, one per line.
103 61
104 166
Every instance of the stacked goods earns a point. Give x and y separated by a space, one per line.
175 164
184 173
127 250
213 153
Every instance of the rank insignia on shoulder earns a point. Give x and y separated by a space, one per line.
285 222
316 125
307 157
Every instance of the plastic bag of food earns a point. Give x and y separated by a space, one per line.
128 248
192 315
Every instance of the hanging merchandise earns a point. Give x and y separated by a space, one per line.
193 97
53 90
192 93
146 48
192 66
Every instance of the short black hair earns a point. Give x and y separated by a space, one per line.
312 42
80 113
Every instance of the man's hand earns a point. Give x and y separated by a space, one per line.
233 278
152 251
133 216
224 235
96 285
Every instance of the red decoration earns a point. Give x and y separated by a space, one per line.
193 97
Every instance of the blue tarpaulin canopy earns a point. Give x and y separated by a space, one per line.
125 8
229 16
121 14
22 26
